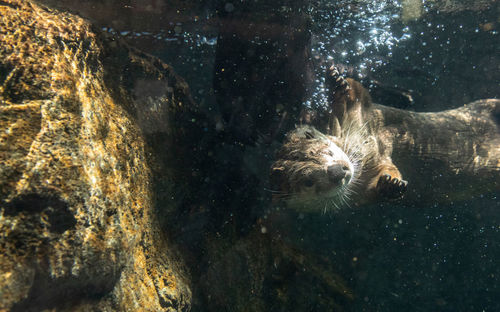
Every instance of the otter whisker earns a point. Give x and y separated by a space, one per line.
307 156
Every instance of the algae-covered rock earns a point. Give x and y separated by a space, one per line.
77 229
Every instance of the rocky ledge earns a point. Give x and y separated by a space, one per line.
77 225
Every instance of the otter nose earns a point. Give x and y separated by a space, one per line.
337 172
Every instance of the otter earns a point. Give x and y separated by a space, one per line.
367 147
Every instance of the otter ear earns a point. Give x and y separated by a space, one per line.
277 171
307 116
277 174
303 132
278 183
276 177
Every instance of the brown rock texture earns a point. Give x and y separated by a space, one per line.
77 228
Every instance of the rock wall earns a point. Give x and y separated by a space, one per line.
77 224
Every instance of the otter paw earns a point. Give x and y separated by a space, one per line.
336 82
390 187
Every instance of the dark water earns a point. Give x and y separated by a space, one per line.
417 258
247 63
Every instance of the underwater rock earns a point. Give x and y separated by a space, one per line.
270 273
77 224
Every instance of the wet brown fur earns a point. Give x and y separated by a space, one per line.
445 156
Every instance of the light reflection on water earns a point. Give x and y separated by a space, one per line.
359 35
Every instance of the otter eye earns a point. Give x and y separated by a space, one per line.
308 182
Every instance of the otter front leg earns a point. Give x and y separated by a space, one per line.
391 187
338 94
349 101
337 84
388 182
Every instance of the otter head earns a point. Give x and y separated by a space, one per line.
312 170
